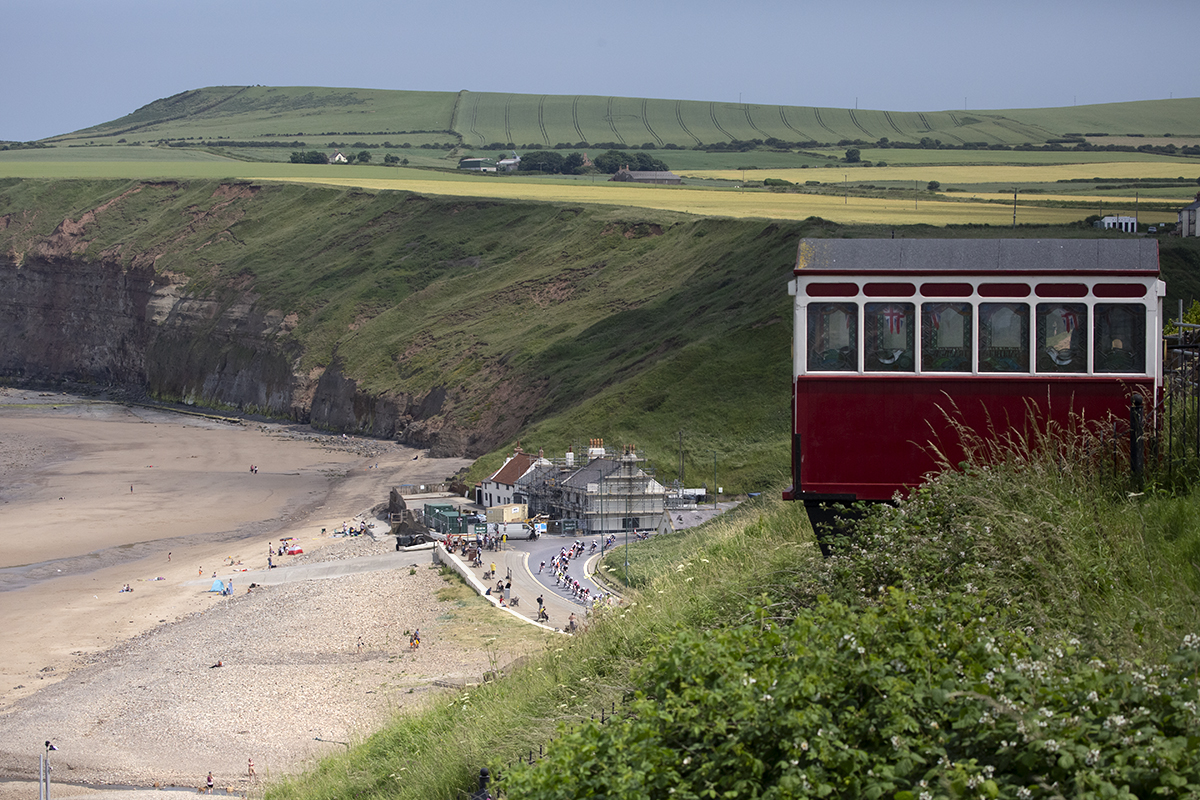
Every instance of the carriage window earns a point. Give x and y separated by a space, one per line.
1003 337
889 337
1120 338
833 337
946 337
1061 337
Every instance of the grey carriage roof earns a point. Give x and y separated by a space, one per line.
976 255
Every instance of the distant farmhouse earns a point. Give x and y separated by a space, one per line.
509 164
1189 219
338 158
478 164
1120 223
646 176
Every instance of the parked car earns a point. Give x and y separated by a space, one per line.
410 539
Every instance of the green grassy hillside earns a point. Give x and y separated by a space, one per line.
316 116
548 323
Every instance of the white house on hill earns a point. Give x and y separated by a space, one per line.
1189 219
497 488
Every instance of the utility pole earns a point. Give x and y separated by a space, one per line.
1014 208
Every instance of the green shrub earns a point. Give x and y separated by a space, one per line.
911 700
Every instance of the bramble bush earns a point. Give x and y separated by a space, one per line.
909 699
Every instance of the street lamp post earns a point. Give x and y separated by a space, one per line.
44 772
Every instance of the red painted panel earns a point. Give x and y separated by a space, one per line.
1061 290
832 289
1003 290
871 437
1119 290
889 290
947 289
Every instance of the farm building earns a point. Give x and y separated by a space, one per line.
643 176
1120 223
478 164
338 158
509 164
1189 218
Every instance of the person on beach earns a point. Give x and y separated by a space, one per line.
210 783
250 769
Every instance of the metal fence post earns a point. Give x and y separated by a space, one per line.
1137 441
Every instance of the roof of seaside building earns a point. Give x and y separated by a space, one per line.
517 465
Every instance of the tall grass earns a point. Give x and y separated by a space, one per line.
1038 521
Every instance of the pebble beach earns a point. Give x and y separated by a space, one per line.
127 685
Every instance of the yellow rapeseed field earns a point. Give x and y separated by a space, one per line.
725 203
954 175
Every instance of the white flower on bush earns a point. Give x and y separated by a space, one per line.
1115 722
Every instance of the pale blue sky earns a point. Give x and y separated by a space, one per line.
68 64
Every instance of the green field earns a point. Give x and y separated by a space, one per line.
474 119
251 132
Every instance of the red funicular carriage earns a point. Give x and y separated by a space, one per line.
889 331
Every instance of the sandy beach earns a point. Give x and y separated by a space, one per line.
125 682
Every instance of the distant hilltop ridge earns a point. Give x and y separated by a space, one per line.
306 116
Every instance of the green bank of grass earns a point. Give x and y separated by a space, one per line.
546 323
1052 555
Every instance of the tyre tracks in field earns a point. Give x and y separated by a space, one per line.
857 124
612 123
575 120
888 116
542 119
646 121
712 114
783 118
821 122
750 122
679 119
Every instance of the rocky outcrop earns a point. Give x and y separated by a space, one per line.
67 319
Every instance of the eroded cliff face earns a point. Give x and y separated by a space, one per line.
150 287
63 318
